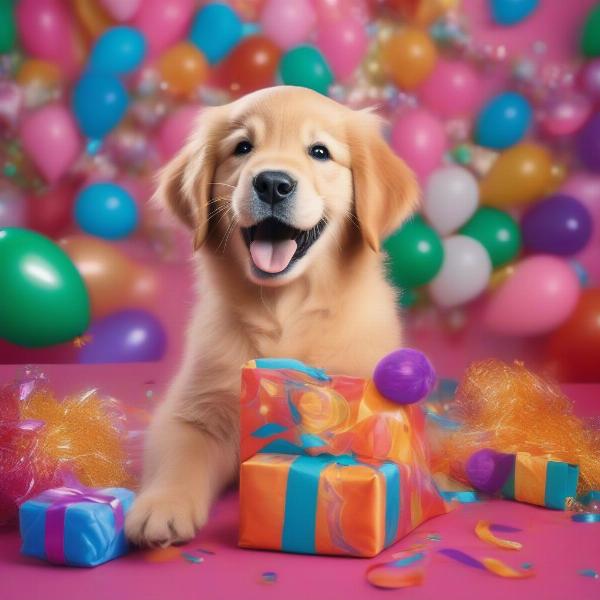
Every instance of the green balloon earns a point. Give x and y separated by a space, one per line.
8 29
415 254
43 299
590 37
305 66
497 232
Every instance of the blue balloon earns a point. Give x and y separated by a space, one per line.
106 210
99 103
216 30
503 121
118 50
509 12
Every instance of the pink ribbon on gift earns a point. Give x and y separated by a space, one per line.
60 499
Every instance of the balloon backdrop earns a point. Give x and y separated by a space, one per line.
502 132
44 300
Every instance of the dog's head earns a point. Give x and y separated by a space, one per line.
284 176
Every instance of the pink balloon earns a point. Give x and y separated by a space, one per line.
287 22
452 89
565 113
538 297
121 10
419 138
589 78
163 22
45 31
51 139
175 130
344 44
333 10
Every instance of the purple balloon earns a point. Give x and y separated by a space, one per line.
125 336
590 78
588 144
488 470
558 225
404 376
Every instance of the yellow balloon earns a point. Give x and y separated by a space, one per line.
183 68
409 56
38 73
519 175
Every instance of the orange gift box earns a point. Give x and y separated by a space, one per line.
329 466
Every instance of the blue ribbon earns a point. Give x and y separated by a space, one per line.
301 500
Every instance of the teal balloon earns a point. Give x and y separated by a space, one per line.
305 66
216 30
118 50
510 12
503 121
99 103
8 28
43 299
415 254
497 232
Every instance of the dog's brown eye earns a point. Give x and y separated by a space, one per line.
243 148
319 152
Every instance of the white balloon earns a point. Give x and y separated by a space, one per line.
465 272
451 198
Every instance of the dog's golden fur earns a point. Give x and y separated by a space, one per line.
333 309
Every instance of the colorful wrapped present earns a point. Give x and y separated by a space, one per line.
329 466
538 480
77 527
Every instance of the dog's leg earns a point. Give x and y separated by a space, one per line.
188 462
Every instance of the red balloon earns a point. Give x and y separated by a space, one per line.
575 346
51 213
252 65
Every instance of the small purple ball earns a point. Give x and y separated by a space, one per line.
488 470
404 376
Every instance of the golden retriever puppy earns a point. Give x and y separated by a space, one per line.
288 195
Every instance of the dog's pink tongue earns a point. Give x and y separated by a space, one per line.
272 256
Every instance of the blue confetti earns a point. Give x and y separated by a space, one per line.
191 558
589 573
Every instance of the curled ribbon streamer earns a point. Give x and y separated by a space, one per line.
483 532
60 499
586 517
395 575
503 570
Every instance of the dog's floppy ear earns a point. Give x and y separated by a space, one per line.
184 183
385 189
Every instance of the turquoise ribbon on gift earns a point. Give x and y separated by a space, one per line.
300 516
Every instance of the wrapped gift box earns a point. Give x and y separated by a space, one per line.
329 466
538 480
75 527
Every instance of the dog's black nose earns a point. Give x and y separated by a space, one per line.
273 186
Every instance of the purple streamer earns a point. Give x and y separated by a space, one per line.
461 557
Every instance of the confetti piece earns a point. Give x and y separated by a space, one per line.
461 557
527 565
433 537
586 517
162 555
269 577
205 551
482 530
503 570
589 573
497 527
191 558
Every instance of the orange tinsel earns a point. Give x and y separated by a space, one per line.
510 409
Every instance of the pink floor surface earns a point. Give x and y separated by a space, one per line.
556 547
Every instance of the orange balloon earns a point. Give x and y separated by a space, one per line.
409 56
183 68
113 280
519 175
574 347
252 65
93 17
37 72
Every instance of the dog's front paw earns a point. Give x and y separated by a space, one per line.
165 516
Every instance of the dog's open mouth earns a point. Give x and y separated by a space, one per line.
274 245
